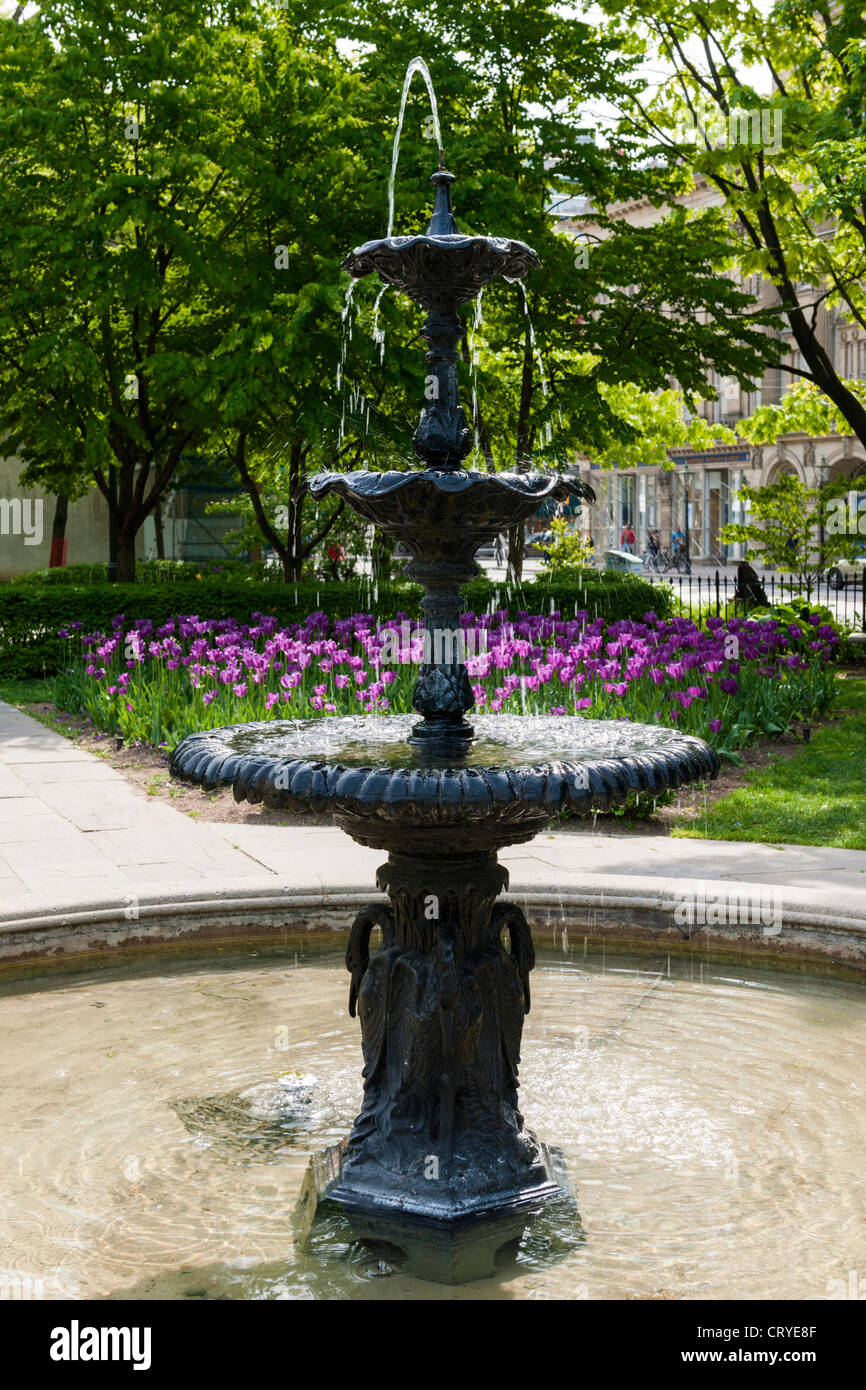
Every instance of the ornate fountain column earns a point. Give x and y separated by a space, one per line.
442 1001
441 1005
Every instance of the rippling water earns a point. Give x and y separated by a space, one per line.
508 740
156 1127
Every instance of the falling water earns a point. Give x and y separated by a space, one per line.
379 334
534 345
345 339
477 321
346 331
416 65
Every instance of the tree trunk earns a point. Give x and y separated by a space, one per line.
160 534
59 543
381 558
296 513
293 567
125 573
516 550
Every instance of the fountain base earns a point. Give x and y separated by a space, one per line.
452 1250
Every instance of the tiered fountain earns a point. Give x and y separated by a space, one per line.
439 1148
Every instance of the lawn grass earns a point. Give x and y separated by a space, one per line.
815 798
26 692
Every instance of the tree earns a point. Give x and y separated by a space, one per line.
284 400
190 179
661 421
786 521
514 129
114 212
169 218
769 109
568 552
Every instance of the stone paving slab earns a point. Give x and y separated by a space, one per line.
73 826
10 785
554 858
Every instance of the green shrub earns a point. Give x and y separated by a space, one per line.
30 614
160 572
66 575
603 595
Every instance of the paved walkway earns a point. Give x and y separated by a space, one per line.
73 834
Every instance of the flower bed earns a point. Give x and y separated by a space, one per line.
726 681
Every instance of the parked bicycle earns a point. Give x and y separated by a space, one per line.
656 561
660 562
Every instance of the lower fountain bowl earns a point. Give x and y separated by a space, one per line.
504 786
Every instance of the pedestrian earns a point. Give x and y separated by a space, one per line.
626 540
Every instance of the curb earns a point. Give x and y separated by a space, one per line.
643 910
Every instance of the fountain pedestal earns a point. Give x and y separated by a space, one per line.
441 1006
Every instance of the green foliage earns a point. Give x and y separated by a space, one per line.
782 525
176 187
798 611
180 184
601 595
803 409
570 551
765 107
785 522
661 421
67 574
159 572
26 692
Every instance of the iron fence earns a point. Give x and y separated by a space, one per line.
716 592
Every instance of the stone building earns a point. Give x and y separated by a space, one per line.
27 516
708 480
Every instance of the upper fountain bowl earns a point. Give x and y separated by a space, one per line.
440 272
441 268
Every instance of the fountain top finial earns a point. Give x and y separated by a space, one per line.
442 222
440 268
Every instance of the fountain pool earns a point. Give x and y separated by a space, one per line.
711 1116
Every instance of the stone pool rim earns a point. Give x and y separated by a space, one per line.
637 914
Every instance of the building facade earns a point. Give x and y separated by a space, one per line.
698 493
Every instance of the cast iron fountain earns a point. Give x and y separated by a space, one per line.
440 1145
